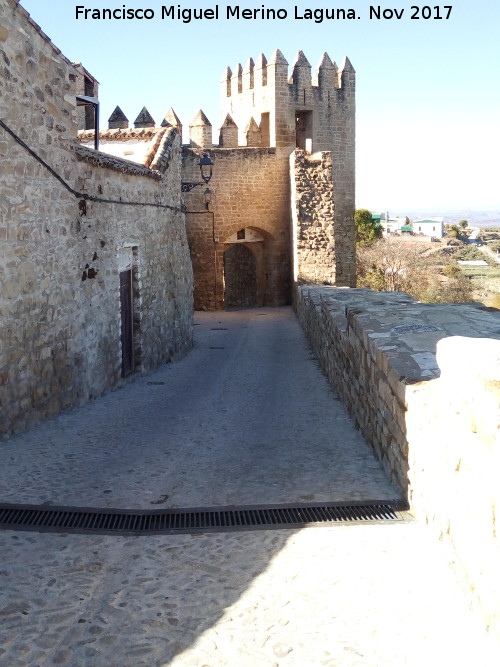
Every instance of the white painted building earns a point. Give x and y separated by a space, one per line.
429 227
391 225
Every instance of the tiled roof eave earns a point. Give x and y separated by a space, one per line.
139 134
99 159
163 154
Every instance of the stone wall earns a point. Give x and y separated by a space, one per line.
422 383
313 110
323 250
251 196
65 236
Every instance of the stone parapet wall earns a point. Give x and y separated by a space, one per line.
422 383
337 322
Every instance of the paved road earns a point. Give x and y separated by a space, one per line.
246 417
488 251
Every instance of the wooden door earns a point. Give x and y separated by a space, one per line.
127 332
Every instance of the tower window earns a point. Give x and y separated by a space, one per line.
304 130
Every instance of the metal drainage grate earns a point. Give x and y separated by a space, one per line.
40 518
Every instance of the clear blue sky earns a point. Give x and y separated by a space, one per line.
428 101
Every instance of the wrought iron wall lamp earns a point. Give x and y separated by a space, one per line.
206 170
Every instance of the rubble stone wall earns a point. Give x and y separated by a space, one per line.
324 248
421 381
61 254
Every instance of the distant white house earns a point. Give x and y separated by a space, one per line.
399 225
429 227
390 225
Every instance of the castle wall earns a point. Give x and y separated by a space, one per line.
323 251
422 384
250 191
313 111
254 96
61 255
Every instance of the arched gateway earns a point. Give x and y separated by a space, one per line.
240 277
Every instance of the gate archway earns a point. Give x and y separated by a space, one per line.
240 277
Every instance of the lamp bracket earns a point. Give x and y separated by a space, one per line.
187 187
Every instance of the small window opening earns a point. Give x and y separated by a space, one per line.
304 130
264 130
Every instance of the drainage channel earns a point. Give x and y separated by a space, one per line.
88 520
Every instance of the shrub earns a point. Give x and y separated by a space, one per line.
494 301
456 290
451 270
494 245
469 252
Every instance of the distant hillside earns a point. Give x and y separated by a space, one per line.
474 218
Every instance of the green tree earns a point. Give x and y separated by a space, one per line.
463 224
367 229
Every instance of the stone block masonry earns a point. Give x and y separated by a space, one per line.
243 245
315 112
421 382
292 212
250 208
61 311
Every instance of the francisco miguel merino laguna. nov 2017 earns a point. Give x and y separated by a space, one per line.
263 13
188 14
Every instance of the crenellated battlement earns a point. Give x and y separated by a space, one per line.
291 105
254 74
274 104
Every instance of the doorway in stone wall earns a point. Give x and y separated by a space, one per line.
240 277
127 322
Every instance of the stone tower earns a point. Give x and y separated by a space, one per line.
312 111
282 210
296 108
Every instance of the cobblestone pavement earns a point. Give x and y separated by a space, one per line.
246 417
253 422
